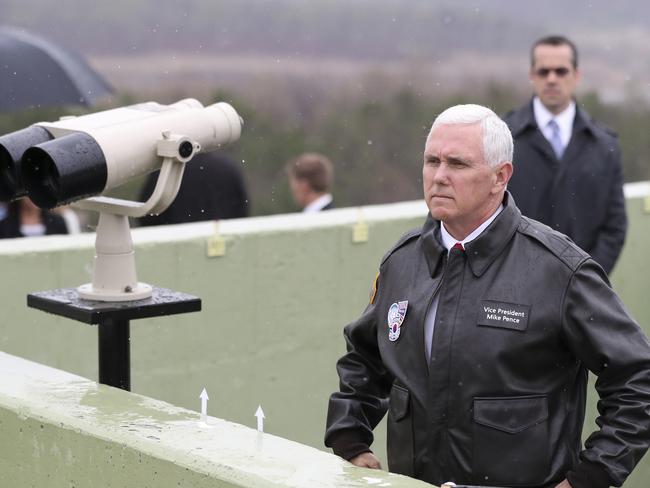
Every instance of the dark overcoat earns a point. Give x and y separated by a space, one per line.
580 195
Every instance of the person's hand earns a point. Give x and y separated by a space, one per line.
367 460
564 484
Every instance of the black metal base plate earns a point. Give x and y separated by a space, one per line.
66 303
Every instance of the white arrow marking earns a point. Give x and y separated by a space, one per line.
260 418
204 406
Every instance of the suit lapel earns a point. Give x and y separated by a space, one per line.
541 145
570 159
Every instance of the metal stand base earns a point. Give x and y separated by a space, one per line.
113 319
139 292
114 353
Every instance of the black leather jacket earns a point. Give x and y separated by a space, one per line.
522 315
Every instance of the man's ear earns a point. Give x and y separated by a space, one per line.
502 175
578 75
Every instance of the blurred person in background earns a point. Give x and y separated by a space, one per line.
71 218
569 173
310 178
21 218
213 188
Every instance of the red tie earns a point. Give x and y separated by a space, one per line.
459 246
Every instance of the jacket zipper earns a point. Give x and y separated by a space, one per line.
424 319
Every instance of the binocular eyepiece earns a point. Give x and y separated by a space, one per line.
62 170
12 148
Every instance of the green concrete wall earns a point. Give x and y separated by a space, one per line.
60 430
273 308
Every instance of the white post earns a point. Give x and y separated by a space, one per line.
114 274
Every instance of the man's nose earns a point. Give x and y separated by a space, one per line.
442 174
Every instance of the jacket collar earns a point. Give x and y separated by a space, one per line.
432 244
524 119
482 251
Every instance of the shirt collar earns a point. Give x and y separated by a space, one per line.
449 241
564 119
318 204
483 250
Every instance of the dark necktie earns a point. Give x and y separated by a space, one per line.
459 246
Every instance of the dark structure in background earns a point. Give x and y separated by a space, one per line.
37 73
213 188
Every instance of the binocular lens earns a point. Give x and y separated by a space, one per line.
63 170
12 147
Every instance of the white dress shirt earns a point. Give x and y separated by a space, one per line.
318 204
564 121
449 241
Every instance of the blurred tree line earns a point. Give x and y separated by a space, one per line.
376 143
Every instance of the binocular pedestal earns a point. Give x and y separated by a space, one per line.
113 320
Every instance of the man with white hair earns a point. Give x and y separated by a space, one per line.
480 331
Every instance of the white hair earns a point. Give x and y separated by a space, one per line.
497 139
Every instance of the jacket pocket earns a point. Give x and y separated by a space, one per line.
400 432
511 440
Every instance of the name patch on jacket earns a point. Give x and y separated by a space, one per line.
503 315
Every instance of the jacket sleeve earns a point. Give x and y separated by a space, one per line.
365 383
610 344
611 234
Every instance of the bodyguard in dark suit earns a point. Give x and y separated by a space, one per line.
569 172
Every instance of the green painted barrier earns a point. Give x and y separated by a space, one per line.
62 430
273 310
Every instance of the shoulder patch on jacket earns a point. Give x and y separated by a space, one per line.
373 290
559 244
408 236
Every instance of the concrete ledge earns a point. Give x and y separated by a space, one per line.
62 430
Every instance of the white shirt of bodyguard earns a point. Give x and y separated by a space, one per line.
564 121
318 204
448 241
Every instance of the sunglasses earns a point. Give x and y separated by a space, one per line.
559 72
